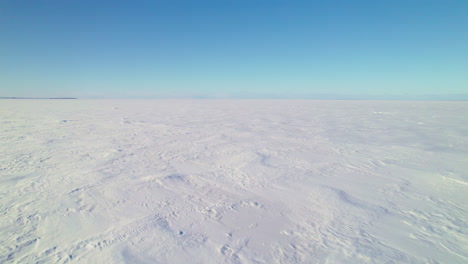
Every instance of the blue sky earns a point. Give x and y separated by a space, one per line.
414 49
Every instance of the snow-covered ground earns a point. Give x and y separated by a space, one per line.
233 181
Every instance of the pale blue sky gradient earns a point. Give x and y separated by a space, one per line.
381 49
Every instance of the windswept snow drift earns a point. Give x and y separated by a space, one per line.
233 181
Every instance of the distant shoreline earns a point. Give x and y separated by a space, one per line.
37 98
266 98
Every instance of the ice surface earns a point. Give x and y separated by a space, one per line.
233 181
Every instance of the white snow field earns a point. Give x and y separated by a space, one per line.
233 181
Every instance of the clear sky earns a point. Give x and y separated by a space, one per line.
385 49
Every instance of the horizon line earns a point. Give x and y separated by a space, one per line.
237 98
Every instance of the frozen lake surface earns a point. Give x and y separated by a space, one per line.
233 181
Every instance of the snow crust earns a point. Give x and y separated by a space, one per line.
233 181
